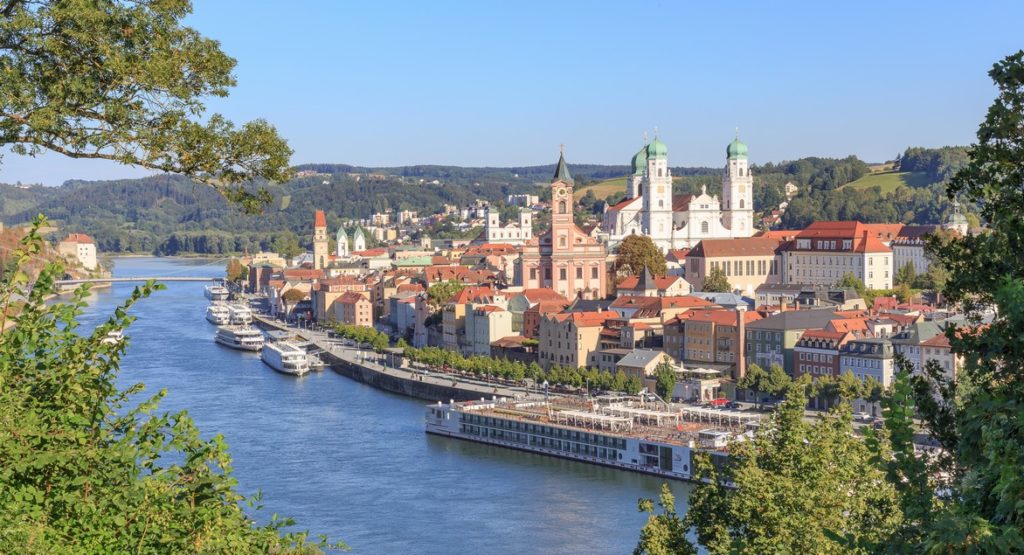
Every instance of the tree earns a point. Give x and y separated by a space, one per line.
777 381
291 297
633 385
755 379
665 376
851 281
774 496
664 534
980 424
906 275
126 81
440 293
716 282
286 244
235 271
637 252
86 469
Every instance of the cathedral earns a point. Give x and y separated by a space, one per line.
681 221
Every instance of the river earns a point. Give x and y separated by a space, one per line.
353 462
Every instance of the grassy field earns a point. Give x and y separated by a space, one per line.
603 188
889 181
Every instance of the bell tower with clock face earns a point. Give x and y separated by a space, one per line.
561 206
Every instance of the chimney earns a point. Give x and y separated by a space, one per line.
782 304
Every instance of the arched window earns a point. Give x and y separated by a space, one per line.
661 204
741 204
561 241
659 172
703 227
741 172
561 207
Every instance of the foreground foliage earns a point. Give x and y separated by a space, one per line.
83 468
126 81
816 488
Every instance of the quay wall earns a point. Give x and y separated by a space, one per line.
430 387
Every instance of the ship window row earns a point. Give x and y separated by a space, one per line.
544 442
542 430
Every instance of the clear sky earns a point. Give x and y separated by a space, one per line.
477 83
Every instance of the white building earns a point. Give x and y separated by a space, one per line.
824 252
79 247
511 233
358 240
342 239
675 222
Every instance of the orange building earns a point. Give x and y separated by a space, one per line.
564 258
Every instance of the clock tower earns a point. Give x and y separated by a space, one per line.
561 206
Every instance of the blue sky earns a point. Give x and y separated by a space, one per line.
504 83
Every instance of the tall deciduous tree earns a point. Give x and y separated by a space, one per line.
984 427
126 81
716 282
637 252
755 380
664 533
665 380
793 492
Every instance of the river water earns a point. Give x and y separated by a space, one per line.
353 462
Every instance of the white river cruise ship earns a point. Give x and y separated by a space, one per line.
621 432
285 358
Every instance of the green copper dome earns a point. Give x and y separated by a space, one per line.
640 162
736 149
657 149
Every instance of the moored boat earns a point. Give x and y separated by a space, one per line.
285 358
218 314
239 315
241 338
216 292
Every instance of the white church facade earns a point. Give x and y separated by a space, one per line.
681 221
512 233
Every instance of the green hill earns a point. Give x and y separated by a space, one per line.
889 181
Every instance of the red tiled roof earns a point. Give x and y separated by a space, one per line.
678 255
823 334
586 319
371 253
548 307
623 204
749 246
662 283
319 220
681 203
302 274
537 294
938 341
351 297
849 324
78 238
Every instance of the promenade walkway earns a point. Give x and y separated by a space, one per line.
378 363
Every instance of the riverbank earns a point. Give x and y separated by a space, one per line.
365 366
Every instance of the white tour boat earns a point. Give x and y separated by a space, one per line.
285 358
241 338
216 292
218 314
240 315
113 337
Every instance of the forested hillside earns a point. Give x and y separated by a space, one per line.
920 200
169 214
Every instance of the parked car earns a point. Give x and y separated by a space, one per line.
733 405
863 417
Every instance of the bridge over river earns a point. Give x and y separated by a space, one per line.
134 279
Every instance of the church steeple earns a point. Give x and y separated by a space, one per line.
562 170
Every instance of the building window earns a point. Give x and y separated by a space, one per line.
593 272
579 273
741 200
561 241
561 207
533 273
561 274
547 273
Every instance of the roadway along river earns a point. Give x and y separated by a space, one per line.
353 462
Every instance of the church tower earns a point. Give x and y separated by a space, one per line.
657 196
737 191
342 240
319 240
358 240
639 167
562 223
